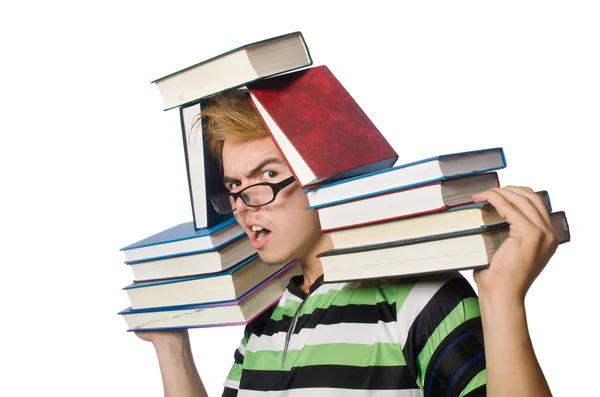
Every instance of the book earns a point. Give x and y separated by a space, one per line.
235 312
419 172
234 68
187 264
227 285
405 202
465 217
462 250
320 130
183 239
204 175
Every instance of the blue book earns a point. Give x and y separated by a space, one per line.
228 285
237 311
183 239
422 172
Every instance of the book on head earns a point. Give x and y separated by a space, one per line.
204 175
235 312
320 130
234 68
419 172
405 202
461 250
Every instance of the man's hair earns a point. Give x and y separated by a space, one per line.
230 117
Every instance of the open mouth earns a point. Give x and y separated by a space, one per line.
260 233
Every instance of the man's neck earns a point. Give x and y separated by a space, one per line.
311 265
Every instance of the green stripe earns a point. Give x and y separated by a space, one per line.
467 309
378 354
235 374
478 380
366 295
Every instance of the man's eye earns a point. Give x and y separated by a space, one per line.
269 174
233 185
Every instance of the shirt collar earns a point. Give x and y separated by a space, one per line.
296 281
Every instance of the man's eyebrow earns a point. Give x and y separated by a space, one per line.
256 169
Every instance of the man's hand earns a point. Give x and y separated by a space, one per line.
527 250
179 374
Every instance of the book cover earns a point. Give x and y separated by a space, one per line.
328 130
229 302
232 69
558 218
417 162
204 175
183 231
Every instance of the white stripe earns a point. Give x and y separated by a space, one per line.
231 384
330 392
356 333
325 288
288 296
416 300
242 350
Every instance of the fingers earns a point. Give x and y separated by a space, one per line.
520 201
502 205
535 199
522 209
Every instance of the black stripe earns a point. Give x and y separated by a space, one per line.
335 376
238 358
228 392
478 392
461 350
258 325
361 314
434 312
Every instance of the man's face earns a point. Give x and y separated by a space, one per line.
289 229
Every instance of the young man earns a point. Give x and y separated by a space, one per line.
418 337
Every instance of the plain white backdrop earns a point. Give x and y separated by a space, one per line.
90 162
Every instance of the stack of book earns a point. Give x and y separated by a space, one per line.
384 219
205 272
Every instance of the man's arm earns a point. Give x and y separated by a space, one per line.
179 374
512 368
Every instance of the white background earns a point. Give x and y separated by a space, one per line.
89 161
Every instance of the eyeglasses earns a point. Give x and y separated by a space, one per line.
255 195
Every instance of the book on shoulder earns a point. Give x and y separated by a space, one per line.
464 217
405 202
320 130
234 68
429 170
183 239
461 250
187 264
227 285
239 311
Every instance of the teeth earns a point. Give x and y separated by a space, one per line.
256 228
260 235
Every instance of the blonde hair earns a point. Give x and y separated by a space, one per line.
230 117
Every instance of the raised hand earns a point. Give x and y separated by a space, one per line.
527 250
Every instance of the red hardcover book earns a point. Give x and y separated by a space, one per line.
318 127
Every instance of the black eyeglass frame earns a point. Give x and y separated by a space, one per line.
276 187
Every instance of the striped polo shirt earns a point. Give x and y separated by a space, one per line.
406 338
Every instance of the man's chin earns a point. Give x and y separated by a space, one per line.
273 259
